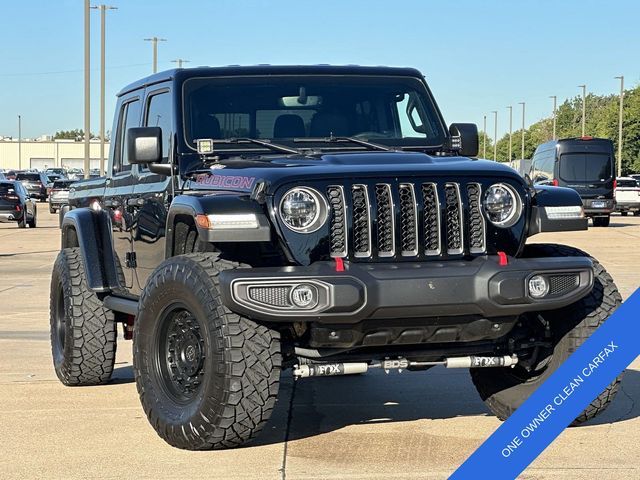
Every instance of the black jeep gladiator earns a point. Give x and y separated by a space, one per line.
320 219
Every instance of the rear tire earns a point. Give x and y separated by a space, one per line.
601 221
624 214
505 389
51 209
33 221
83 332
207 377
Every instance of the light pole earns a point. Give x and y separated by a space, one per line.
621 78
555 100
154 42
484 140
20 142
522 151
179 61
584 110
510 130
103 10
495 135
87 87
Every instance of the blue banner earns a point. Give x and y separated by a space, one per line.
560 399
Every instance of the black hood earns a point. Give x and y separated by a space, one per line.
243 174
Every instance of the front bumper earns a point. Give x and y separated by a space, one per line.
479 287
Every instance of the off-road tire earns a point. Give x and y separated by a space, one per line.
83 332
601 221
231 396
503 390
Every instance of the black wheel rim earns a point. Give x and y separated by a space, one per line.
180 353
59 324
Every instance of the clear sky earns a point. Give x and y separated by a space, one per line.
478 56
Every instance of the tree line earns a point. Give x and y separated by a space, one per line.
602 117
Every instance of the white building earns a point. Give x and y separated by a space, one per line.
45 154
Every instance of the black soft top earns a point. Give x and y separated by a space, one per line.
237 70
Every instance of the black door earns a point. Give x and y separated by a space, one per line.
119 189
152 193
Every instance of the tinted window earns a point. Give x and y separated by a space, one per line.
32 177
159 115
585 167
627 183
392 111
7 189
129 117
62 183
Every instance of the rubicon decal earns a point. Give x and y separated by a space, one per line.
226 181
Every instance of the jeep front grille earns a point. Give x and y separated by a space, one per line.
406 220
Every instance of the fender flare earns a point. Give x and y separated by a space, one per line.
221 203
92 229
548 196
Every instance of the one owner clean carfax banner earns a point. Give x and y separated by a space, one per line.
559 400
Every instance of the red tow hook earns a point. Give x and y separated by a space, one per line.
339 264
503 260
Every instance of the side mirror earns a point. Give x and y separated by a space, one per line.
144 145
465 139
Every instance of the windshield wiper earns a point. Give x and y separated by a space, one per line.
263 143
332 139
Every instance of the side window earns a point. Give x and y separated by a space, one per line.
129 117
159 115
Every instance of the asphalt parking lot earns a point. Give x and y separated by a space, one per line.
401 426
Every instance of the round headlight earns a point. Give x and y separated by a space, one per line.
502 205
303 210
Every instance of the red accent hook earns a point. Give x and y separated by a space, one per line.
503 259
339 264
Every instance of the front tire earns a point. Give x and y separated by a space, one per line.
505 389
83 332
207 377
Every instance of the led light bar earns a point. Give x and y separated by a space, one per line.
563 213
222 221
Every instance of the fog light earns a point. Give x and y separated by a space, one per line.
538 286
304 296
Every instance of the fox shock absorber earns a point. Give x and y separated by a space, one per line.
400 364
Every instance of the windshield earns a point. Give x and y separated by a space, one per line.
392 111
585 167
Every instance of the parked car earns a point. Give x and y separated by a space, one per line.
585 164
16 205
10 174
75 174
2 176
327 220
627 195
52 177
35 183
59 194
635 176
61 172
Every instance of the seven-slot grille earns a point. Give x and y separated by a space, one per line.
406 219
